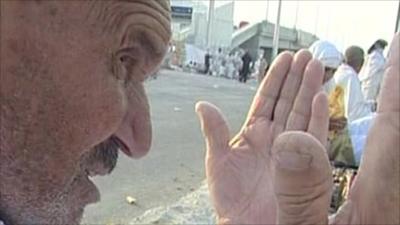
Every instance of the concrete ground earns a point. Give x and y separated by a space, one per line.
175 165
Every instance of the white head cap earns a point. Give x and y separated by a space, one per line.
327 53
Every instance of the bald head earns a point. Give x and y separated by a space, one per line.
354 57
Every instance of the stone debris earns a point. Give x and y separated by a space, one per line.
131 200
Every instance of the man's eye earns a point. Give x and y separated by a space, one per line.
130 65
125 59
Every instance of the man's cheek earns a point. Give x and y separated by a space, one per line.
93 110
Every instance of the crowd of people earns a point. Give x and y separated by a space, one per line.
238 65
223 64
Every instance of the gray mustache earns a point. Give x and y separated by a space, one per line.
104 154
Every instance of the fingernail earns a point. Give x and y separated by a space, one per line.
293 160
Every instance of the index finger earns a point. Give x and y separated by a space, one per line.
268 92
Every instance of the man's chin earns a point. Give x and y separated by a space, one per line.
76 217
82 193
75 214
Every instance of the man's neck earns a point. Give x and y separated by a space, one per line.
351 67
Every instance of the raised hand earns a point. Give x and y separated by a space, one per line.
240 171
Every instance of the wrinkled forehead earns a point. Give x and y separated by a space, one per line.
117 15
119 21
109 12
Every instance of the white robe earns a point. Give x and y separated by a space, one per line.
371 75
329 86
358 134
355 106
230 67
219 67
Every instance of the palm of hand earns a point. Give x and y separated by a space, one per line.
240 180
239 172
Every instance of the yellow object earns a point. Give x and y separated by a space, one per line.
336 103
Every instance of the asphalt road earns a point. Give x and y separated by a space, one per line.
175 165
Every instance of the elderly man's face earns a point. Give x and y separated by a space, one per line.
71 96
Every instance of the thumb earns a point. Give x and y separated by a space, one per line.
214 127
303 179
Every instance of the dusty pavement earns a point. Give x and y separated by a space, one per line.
175 165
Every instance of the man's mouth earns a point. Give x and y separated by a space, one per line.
102 158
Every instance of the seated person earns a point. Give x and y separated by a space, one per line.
346 78
339 146
71 97
357 110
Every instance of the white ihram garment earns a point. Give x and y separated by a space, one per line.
355 106
327 53
230 67
357 111
358 134
371 74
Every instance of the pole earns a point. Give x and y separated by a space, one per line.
398 19
210 22
266 15
275 41
316 20
297 14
